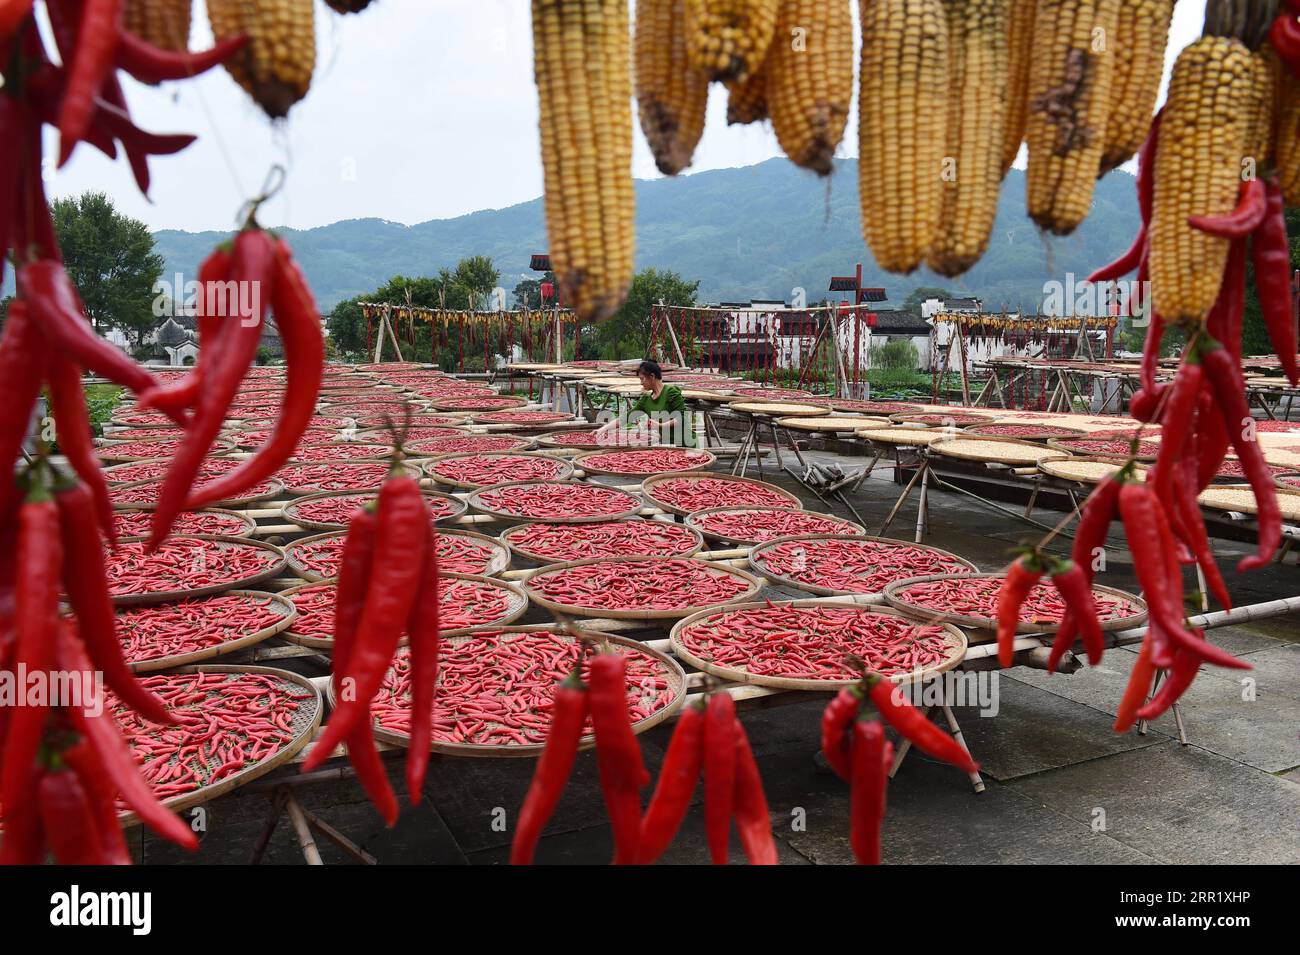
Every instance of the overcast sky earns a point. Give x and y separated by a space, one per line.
418 110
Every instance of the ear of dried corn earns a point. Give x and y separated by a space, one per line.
977 110
1020 40
728 39
747 101
582 67
1286 135
902 114
810 80
164 23
275 66
1204 138
1268 72
671 95
1140 38
1070 76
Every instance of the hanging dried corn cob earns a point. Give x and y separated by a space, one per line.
1204 141
1261 127
902 115
276 65
1139 48
977 110
1020 39
810 80
1286 134
747 101
728 39
1070 78
584 89
670 94
164 23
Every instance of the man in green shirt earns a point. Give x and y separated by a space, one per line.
663 406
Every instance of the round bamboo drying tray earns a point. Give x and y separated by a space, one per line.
957 420
1048 432
582 460
1084 470
833 424
711 397
988 623
1240 498
314 643
886 408
290 510
906 436
676 680
995 450
420 448
778 409
753 585
563 440
250 582
532 366
275 489
287 616
692 520
469 403
498 562
303 490
756 562
248 526
305 722
955 642
611 381
563 469
508 538
649 484
634 504
105 452
1063 447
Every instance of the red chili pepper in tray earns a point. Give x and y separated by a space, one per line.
618 755
567 720
678 777
872 757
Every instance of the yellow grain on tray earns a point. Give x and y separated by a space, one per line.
1006 452
776 408
846 422
906 435
1241 498
1070 470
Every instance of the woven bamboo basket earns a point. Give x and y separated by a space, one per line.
914 437
1136 619
1240 498
1054 431
494 403
650 483
694 520
105 452
248 526
951 420
634 504
508 538
563 469
251 582
778 409
955 644
290 510
274 489
305 723
287 616
995 450
759 567
676 680
707 460
499 560
1087 470
753 585
833 424
301 491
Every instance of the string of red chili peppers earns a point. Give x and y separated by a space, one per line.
854 743
1202 413
708 741
387 585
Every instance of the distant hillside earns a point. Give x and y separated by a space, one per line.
752 232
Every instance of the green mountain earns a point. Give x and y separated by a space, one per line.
750 232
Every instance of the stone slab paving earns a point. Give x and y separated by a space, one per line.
1179 805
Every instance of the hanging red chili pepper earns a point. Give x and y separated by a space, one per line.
678 777
618 756
872 757
568 717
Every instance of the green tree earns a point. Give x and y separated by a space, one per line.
918 295
111 259
627 334
528 293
